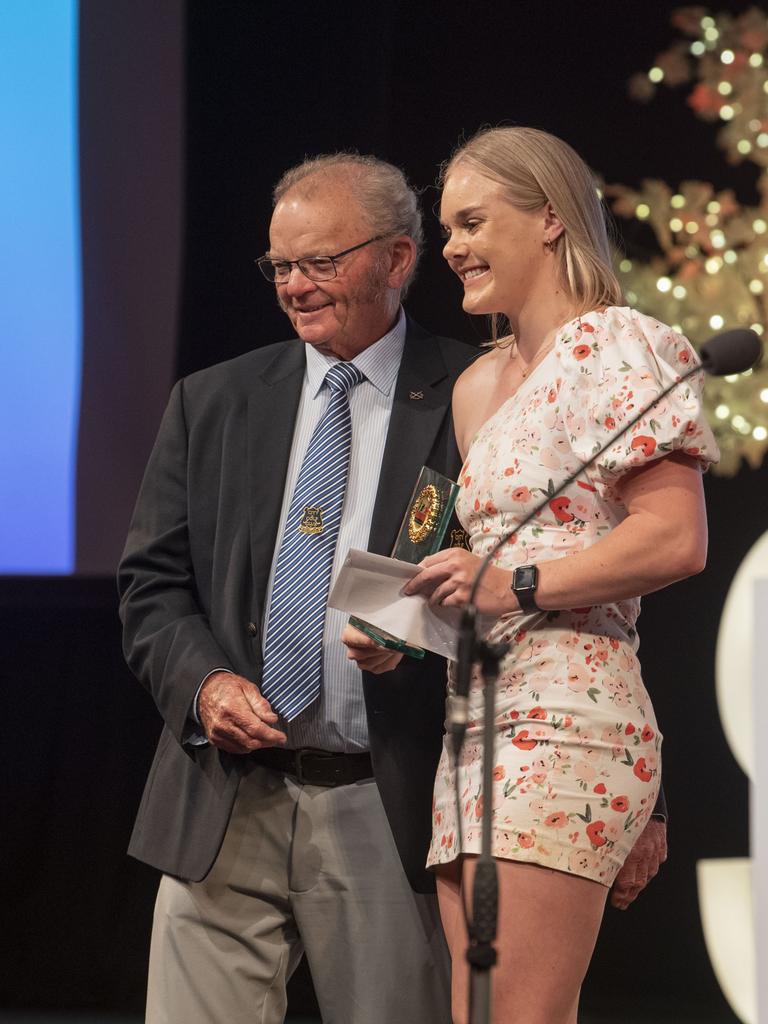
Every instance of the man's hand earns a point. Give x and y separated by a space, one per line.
235 716
368 655
644 860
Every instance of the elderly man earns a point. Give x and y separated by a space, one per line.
289 802
288 805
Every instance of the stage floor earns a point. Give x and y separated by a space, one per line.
666 1017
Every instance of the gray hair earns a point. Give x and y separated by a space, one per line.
389 202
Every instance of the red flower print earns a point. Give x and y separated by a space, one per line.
647 444
538 713
557 820
600 788
560 511
520 635
514 714
595 832
620 803
629 729
499 772
582 351
467 480
641 771
587 487
509 471
479 808
684 355
691 451
522 742
521 494
586 327
610 422
690 428
551 395
614 643
647 734
525 840
490 508
477 504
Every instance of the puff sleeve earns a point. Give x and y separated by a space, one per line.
613 363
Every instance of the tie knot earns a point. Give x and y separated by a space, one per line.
343 376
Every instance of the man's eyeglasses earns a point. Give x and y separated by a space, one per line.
316 268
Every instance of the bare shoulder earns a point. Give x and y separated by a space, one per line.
473 396
478 375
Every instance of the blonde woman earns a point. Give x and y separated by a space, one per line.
577 764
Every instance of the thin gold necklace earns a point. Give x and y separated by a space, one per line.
536 359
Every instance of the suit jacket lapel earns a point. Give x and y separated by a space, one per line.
421 403
272 407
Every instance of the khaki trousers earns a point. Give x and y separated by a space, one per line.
303 869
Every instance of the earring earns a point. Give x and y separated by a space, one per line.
549 244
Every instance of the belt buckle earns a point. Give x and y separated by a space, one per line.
301 753
299 766
308 752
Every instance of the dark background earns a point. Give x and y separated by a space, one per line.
266 83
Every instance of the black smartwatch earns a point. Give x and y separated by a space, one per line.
525 579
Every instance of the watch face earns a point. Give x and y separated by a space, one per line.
525 577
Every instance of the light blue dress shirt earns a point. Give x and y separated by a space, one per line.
336 720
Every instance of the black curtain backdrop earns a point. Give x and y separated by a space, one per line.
268 82
131 135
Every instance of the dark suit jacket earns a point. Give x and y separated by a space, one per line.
195 570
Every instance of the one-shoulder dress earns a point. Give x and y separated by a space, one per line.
577 762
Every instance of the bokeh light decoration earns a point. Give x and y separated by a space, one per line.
711 269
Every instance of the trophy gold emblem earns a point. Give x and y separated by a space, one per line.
425 514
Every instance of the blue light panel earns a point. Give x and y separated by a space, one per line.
40 318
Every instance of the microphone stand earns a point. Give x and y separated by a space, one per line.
481 954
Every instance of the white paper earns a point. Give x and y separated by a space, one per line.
370 587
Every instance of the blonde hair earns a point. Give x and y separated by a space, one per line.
536 168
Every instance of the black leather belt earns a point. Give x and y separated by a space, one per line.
316 767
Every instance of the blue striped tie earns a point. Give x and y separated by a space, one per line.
293 652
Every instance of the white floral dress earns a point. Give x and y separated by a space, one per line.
577 762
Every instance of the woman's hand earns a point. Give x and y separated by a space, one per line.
367 654
447 577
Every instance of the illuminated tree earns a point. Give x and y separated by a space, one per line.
711 269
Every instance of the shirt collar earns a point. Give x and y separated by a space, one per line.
379 362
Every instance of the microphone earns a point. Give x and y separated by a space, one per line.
730 352
733 351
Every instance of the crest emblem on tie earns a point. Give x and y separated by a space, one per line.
424 514
311 519
415 395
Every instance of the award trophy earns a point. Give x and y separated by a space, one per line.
421 533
